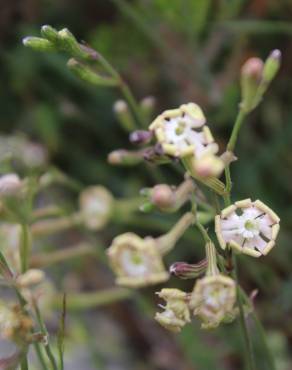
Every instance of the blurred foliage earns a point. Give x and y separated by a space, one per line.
177 51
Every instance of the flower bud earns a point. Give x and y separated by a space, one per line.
147 106
208 166
124 116
176 312
272 65
96 205
185 270
50 33
38 44
86 74
251 76
30 277
162 196
123 157
141 137
69 44
10 184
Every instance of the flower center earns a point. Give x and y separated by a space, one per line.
136 259
250 225
181 125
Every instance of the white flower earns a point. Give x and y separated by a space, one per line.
249 227
182 132
96 204
136 261
213 299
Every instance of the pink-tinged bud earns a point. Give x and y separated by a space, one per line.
209 166
185 270
141 137
122 157
251 77
124 116
272 65
163 196
253 68
10 184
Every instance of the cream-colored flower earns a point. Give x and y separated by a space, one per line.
96 204
249 227
136 261
176 312
213 299
182 132
14 324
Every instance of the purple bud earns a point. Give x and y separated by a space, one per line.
141 137
185 270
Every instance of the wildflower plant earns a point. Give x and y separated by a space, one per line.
181 135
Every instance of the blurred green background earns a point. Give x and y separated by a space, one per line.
176 51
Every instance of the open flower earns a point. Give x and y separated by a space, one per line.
182 132
96 204
213 299
249 227
136 261
176 311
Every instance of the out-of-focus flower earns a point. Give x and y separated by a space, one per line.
213 299
10 184
30 277
249 227
96 204
176 311
136 261
14 324
182 132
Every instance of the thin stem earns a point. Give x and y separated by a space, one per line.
124 89
24 247
234 134
81 301
243 323
260 331
167 241
40 356
45 333
24 363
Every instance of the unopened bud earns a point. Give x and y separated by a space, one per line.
122 157
251 75
50 33
38 44
147 106
30 277
86 74
10 184
163 196
185 270
124 115
209 166
69 44
272 65
141 137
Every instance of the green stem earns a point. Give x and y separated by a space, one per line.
260 331
24 363
124 89
234 134
81 301
45 333
243 324
24 247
